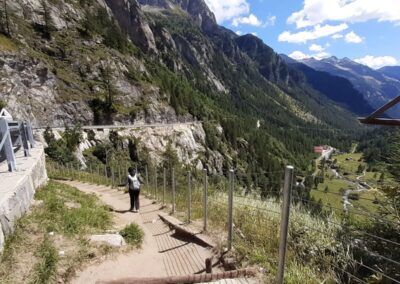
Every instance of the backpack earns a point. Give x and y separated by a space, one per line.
135 182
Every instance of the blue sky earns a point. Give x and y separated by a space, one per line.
367 31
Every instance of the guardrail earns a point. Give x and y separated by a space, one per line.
13 135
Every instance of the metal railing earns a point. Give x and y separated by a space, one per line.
13 136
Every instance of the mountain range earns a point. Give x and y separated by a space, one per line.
376 86
128 61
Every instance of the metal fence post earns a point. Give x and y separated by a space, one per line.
98 175
205 200
173 190
112 177
156 184
91 173
6 143
24 138
147 180
189 197
230 208
287 188
164 185
119 174
30 134
69 171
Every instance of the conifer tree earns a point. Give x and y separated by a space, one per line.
47 19
5 20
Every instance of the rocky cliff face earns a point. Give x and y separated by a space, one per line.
29 87
130 18
270 64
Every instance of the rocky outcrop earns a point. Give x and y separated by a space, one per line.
132 22
114 240
199 11
30 90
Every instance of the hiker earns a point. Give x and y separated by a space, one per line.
133 182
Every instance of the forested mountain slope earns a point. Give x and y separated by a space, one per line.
339 89
88 61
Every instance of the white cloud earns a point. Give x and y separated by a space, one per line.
251 20
317 32
352 37
270 21
239 33
316 48
298 55
319 11
226 10
337 36
254 34
377 62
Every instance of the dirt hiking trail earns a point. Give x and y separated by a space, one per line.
163 252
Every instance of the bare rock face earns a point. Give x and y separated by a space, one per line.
31 92
199 11
132 22
188 140
61 14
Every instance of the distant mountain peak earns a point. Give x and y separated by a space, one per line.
377 86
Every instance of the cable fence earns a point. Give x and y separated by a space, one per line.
270 221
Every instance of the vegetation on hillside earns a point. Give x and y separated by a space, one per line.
292 118
49 244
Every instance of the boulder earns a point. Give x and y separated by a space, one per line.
114 240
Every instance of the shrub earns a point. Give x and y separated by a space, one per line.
3 104
132 234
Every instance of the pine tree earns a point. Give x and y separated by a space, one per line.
106 76
47 19
360 169
5 20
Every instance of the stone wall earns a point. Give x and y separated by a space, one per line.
18 188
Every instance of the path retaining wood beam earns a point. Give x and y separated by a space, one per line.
199 278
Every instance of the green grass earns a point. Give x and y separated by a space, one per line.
133 235
333 196
349 163
349 166
313 245
56 216
7 44
31 254
46 268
